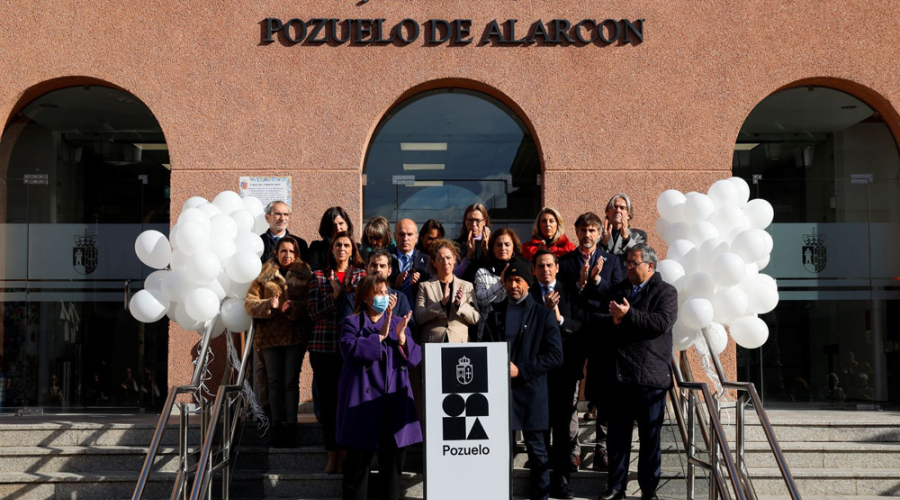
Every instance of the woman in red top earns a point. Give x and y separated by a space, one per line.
547 233
329 291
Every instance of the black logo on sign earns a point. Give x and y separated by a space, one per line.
815 255
464 371
85 254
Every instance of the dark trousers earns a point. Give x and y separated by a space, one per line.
648 407
327 369
358 465
563 401
540 463
260 378
283 368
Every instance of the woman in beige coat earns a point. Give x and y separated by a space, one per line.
445 305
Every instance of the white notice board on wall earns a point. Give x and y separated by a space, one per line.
267 188
467 429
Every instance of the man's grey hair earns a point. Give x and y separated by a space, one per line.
612 203
271 206
648 254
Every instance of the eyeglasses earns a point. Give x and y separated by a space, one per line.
633 263
474 221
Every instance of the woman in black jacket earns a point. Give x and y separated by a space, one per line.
334 220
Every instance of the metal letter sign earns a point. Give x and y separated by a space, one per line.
403 180
467 430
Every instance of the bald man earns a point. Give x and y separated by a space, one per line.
409 267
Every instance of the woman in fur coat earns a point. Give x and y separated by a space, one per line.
277 301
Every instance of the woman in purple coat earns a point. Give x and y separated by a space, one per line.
376 412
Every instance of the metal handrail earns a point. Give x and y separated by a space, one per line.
206 466
174 392
715 441
750 390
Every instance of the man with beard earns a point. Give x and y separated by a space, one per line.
591 272
532 332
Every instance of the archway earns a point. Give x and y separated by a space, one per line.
443 149
85 169
829 164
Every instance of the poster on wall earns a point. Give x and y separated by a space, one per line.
267 188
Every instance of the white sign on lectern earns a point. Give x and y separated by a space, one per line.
467 436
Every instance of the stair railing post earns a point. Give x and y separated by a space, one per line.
691 449
183 430
739 421
226 451
713 453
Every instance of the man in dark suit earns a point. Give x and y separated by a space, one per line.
563 383
591 273
278 215
535 349
638 328
409 266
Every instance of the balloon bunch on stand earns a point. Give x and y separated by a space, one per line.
205 267
717 247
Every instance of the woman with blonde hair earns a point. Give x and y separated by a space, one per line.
548 233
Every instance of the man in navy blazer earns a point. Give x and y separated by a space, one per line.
535 349
562 383
591 272
409 267
638 350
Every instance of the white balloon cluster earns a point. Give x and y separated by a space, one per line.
205 266
717 246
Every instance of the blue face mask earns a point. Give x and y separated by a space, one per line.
381 303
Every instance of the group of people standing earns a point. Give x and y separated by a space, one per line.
362 311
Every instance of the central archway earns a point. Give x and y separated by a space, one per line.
443 149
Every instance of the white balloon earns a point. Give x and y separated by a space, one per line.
761 296
750 244
185 321
193 202
171 312
712 248
728 269
670 205
172 238
679 285
253 205
218 328
234 316
154 280
729 305
770 243
743 191
749 332
217 288
223 227
696 313
192 237
243 267
662 227
223 248
260 225
768 280
210 210
148 306
244 220
670 270
700 285
175 285
698 207
723 193
179 259
228 201
682 336
718 338
202 267
728 218
759 212
685 253
201 304
678 231
153 249
193 215
238 289
702 231
249 243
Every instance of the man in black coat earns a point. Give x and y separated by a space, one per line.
591 273
278 215
638 351
563 383
535 349
409 267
